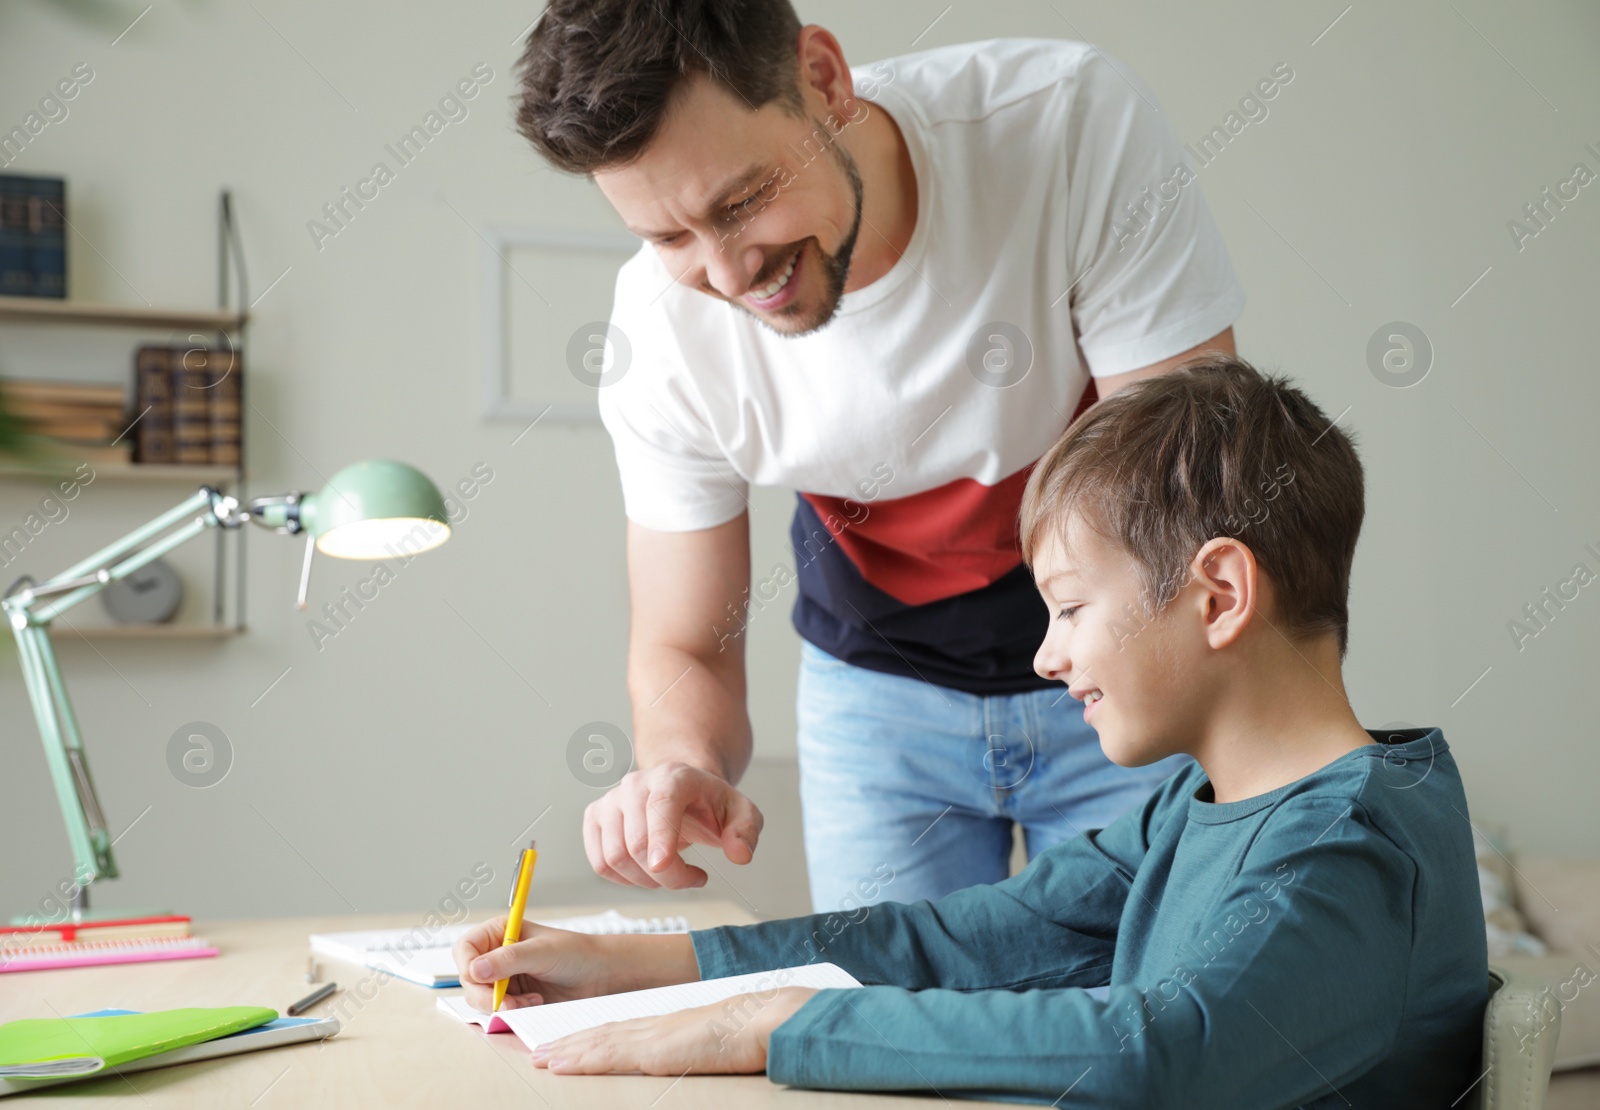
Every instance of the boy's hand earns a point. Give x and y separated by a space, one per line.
725 1038
554 965
546 965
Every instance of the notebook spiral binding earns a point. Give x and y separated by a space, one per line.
89 952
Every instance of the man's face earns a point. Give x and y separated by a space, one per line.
1141 680
760 209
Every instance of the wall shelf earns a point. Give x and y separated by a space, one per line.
228 320
152 632
129 472
46 310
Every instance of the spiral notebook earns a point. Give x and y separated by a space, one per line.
422 956
43 957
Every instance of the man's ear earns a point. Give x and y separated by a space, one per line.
823 69
1225 571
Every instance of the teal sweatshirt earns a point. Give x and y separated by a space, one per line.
1319 945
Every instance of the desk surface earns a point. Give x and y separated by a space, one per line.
394 1048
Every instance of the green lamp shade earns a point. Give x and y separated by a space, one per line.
376 510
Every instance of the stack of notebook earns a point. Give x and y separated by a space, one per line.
45 946
41 1052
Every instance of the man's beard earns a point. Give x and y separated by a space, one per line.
835 266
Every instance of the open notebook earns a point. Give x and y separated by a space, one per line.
537 1025
423 956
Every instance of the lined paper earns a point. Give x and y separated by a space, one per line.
423 956
537 1025
356 946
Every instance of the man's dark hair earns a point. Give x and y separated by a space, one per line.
596 77
1213 448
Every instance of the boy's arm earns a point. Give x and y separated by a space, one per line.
1294 989
1053 925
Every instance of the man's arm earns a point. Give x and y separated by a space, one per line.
685 648
692 734
1221 342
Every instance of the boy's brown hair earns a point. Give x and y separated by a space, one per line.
596 76
1213 448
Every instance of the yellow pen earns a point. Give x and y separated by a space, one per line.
519 903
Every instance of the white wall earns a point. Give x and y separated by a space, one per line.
413 745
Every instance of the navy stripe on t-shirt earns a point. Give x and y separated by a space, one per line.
982 641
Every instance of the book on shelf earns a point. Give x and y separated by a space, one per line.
227 417
47 219
45 411
152 401
71 418
28 391
188 401
191 407
83 429
33 229
16 241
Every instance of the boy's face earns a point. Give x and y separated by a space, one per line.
1141 681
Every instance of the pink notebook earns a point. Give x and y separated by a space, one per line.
43 957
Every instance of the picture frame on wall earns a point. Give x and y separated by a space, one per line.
547 344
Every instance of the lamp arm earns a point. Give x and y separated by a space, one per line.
203 498
82 588
63 750
30 609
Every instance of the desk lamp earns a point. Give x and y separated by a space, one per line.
370 510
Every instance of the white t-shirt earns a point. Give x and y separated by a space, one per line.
1058 232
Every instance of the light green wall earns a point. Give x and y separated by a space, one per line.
384 766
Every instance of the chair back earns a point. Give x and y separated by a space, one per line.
1521 1025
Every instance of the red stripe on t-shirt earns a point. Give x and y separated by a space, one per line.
941 542
949 540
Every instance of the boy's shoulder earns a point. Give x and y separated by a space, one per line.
1404 771
1404 787
1405 784
1398 796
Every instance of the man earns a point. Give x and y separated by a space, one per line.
886 289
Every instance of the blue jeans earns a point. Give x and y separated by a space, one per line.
910 790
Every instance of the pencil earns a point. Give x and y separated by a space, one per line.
519 903
312 999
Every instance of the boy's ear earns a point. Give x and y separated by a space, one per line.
1225 571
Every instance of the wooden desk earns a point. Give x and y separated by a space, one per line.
395 1049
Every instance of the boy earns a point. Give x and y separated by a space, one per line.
1291 920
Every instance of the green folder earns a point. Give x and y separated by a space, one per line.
40 1048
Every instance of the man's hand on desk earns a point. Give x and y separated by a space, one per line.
554 965
725 1038
634 834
